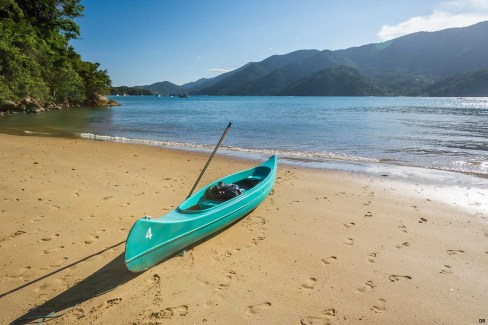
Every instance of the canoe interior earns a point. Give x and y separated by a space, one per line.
246 181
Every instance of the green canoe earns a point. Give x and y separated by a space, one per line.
151 241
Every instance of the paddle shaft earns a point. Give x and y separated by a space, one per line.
209 159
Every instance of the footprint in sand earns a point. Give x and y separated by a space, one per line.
329 312
52 250
49 238
325 318
349 242
380 306
227 280
107 304
255 241
349 224
21 273
309 284
395 278
322 198
171 312
255 220
403 228
454 251
405 244
114 301
92 238
329 260
15 234
372 257
259 308
369 285
422 220
202 282
368 214
313 320
446 271
77 314
154 280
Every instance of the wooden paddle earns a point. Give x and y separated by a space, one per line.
209 159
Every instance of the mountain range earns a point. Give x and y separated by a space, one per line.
451 62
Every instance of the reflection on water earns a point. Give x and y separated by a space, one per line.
67 123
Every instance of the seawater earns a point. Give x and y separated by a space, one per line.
434 133
439 146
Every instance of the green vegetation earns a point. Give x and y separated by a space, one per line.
337 81
124 90
164 88
412 65
36 61
470 84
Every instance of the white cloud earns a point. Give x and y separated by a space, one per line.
219 70
455 13
465 5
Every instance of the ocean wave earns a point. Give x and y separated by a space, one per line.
477 167
34 132
290 154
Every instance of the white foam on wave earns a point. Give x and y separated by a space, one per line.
34 132
480 167
291 154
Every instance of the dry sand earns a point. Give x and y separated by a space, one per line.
324 247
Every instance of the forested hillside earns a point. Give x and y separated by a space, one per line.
471 84
38 67
419 64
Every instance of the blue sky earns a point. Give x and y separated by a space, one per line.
142 42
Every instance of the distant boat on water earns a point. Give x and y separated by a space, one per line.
185 95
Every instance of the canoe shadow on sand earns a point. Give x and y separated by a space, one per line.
104 280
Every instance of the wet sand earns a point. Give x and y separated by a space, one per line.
324 247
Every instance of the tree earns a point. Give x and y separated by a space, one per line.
36 59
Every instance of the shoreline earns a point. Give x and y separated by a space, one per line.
350 150
304 159
414 179
368 166
462 190
326 246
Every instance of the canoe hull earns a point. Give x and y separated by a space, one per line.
152 241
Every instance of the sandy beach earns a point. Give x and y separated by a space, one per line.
324 247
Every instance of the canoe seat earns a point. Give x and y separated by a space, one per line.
207 204
248 183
